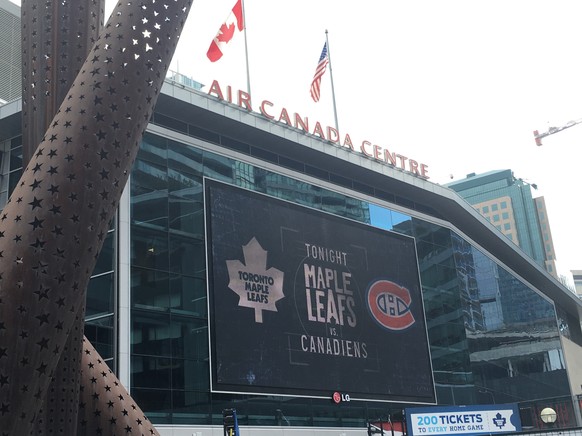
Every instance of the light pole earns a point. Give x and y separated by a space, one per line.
549 416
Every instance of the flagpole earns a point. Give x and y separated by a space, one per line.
246 49
331 77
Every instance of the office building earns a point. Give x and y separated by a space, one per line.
507 203
10 69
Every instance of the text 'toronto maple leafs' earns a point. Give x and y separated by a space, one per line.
258 287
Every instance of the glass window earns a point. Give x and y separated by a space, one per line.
150 210
188 295
494 207
187 256
149 248
190 374
149 289
507 226
186 216
170 123
218 167
192 342
185 185
485 209
158 403
100 295
154 149
16 158
505 215
149 195
184 159
13 179
504 205
106 256
191 407
151 372
15 142
149 177
152 334
495 218
99 331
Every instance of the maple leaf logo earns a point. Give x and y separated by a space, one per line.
258 287
225 32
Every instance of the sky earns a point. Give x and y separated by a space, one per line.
458 85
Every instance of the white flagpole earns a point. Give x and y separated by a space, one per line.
331 77
246 49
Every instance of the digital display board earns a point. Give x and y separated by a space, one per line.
463 420
305 303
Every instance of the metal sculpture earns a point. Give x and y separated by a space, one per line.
56 38
55 222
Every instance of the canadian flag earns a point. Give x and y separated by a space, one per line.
226 32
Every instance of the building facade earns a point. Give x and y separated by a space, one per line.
10 53
499 328
548 241
507 203
577 275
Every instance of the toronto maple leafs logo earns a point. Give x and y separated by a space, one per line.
499 420
258 287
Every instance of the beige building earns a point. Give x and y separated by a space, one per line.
500 212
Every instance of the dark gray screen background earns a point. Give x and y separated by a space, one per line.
267 357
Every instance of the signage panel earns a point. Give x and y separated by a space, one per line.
305 303
463 420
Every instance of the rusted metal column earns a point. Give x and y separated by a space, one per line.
106 407
56 220
56 37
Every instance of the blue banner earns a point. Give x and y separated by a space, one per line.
463 420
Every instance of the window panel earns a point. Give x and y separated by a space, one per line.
152 334
149 289
188 295
186 217
188 256
149 248
106 255
151 372
100 295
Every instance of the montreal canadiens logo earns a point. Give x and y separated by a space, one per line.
389 305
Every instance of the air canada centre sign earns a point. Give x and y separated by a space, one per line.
293 119
305 303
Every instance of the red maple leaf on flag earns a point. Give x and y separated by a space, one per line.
225 32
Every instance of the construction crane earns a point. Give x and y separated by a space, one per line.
538 136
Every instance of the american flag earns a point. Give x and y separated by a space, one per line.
319 72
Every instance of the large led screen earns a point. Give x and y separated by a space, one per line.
305 303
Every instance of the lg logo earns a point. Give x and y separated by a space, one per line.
338 397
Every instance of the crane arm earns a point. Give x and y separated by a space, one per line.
538 136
